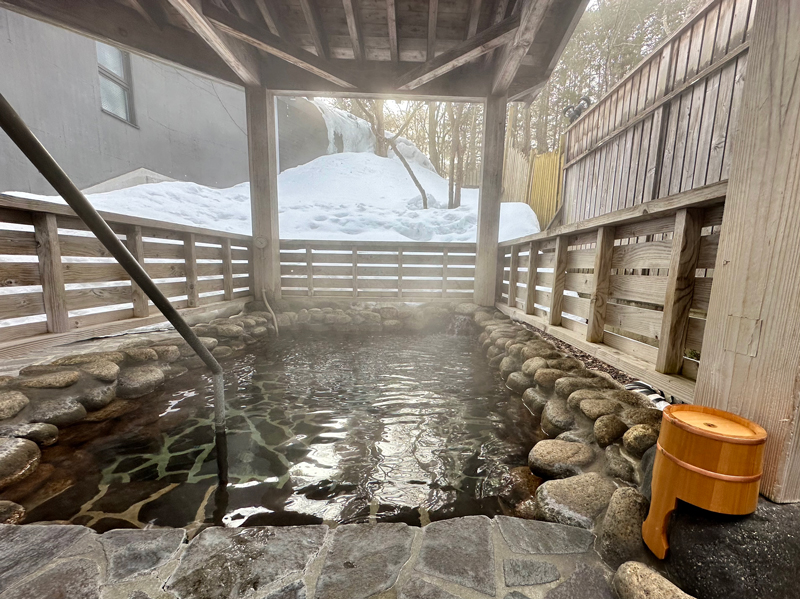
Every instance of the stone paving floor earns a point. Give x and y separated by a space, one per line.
469 558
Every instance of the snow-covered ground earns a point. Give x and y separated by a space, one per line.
353 195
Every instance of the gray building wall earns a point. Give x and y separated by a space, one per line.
187 127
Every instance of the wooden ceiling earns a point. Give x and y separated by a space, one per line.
430 49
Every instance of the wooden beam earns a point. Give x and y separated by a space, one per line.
190 260
750 361
227 270
315 27
135 245
354 27
513 274
486 41
433 16
680 290
533 266
262 147
270 15
242 59
474 17
152 12
51 272
494 134
559 278
272 44
595 326
391 20
510 59
694 198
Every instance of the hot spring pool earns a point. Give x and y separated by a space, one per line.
396 428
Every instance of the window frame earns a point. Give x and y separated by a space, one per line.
126 84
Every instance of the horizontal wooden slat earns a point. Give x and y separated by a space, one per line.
543 298
577 306
574 325
210 269
18 243
290 244
204 252
580 259
547 260
641 288
690 368
79 299
649 227
16 274
87 272
653 254
165 270
580 282
708 251
640 350
171 251
17 305
210 285
702 293
544 279
78 322
712 217
636 320
22 331
86 247
695 333
173 289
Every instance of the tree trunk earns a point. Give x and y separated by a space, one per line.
453 144
542 145
380 143
433 150
460 157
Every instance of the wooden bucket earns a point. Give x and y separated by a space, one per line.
707 457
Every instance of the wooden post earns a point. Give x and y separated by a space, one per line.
533 265
310 270
400 273
190 258
680 290
494 130
141 305
512 277
355 272
262 147
51 272
596 324
559 278
227 270
750 362
444 273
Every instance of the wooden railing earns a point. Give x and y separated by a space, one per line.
407 271
534 179
608 286
666 127
56 277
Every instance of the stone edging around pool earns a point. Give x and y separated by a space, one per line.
464 558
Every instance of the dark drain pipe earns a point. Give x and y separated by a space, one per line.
26 141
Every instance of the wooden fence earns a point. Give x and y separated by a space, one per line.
534 180
663 129
57 278
608 286
403 271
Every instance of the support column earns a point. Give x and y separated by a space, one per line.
262 147
604 250
750 361
494 132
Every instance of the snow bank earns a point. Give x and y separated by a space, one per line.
339 196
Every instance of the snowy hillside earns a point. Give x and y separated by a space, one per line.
339 196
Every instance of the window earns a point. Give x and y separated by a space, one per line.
116 96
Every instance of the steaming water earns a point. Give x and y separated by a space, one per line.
343 429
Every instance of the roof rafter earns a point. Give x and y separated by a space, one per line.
270 16
391 19
354 27
152 11
510 59
263 39
474 17
485 41
243 60
315 28
433 15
